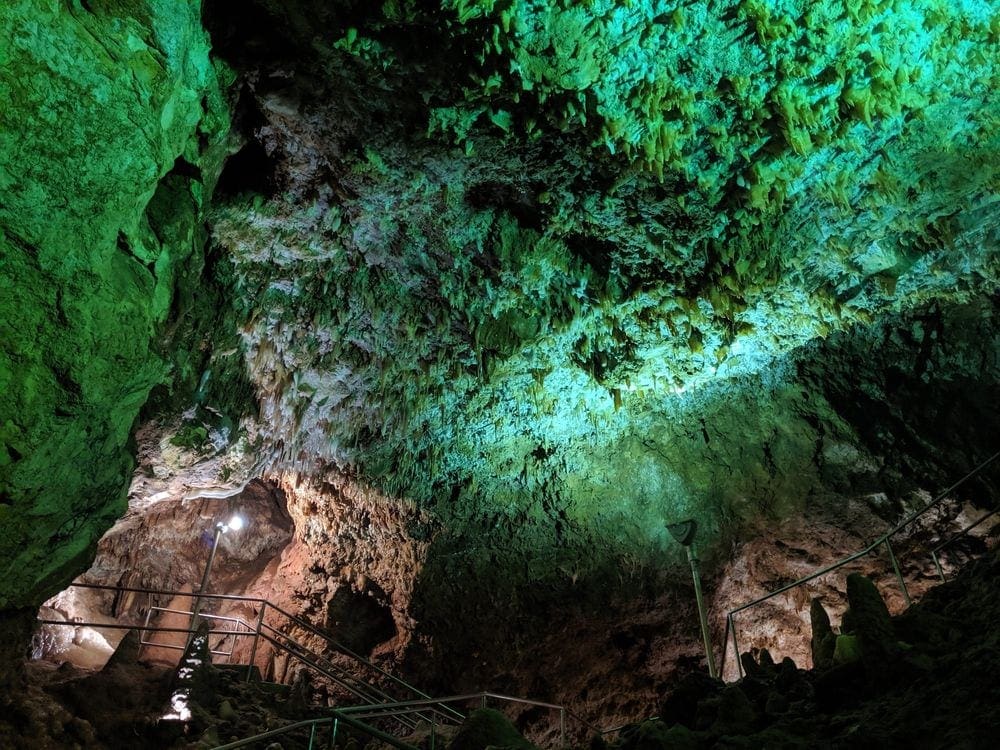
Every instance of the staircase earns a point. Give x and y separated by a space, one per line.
386 701
273 627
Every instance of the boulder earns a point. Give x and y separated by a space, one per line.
655 735
847 649
761 666
647 735
681 705
735 713
127 651
226 711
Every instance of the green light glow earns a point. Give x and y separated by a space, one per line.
723 183
95 107
555 270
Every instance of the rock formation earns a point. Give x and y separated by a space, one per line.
465 301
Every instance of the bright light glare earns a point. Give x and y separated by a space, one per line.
179 704
236 523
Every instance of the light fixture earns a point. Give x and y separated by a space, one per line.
683 532
234 524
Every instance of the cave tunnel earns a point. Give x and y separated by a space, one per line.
360 360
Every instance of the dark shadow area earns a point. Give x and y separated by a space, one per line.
251 170
923 391
359 620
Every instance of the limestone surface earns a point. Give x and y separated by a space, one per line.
111 125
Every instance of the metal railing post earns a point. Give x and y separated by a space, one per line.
702 615
937 564
484 700
204 580
145 626
937 500
736 646
312 736
725 649
562 727
334 725
899 573
256 638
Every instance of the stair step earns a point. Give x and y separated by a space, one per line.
255 675
275 688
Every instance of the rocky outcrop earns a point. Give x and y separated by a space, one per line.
114 129
552 351
500 290
824 641
922 679
486 727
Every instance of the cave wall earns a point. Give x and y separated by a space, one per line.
558 316
480 283
545 276
113 130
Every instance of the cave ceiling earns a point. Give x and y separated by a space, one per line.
569 269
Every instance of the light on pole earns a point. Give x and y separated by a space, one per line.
234 524
684 533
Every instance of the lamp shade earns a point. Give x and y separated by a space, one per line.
683 531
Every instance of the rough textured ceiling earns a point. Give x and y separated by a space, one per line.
558 272
517 247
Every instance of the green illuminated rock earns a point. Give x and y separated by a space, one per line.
564 272
110 125
559 272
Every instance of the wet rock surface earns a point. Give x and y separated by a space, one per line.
114 120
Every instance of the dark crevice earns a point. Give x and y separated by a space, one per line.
248 33
597 253
250 170
66 382
13 453
518 202
183 168
358 620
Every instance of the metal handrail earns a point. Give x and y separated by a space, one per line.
379 710
203 615
383 709
116 626
218 652
337 679
957 535
351 714
306 626
883 539
165 592
264 603
336 718
357 657
333 672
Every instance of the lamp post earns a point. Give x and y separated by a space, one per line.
235 523
684 533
